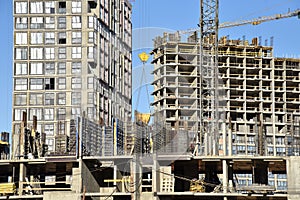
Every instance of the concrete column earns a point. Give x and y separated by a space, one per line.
137 173
115 174
230 176
225 176
22 176
229 142
224 139
293 173
155 176
206 144
76 180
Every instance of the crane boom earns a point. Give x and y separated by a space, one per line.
254 21
259 20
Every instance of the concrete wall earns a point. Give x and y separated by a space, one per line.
293 174
76 180
66 195
88 180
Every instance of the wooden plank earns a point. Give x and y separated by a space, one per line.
116 180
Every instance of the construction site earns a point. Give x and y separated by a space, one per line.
225 125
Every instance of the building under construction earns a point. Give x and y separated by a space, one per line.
71 111
258 94
258 99
171 169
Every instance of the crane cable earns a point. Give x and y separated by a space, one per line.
144 19
143 77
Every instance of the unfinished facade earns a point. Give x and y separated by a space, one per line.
71 58
259 94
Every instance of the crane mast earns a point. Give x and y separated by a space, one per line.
208 136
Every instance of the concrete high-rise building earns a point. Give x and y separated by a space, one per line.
259 100
71 58
259 94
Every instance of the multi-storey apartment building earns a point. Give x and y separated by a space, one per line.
259 94
71 58
259 100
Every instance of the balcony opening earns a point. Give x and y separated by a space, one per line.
49 83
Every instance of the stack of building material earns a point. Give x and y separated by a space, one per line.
92 137
99 140
7 188
129 139
108 137
61 144
142 139
120 137
98 144
4 146
34 144
73 138
138 132
85 139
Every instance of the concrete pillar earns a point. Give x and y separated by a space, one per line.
115 175
206 140
137 173
224 139
76 180
229 142
22 175
225 176
293 173
155 177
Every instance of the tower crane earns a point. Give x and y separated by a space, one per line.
209 116
209 113
255 21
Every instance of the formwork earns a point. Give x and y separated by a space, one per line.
108 144
99 140
73 145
